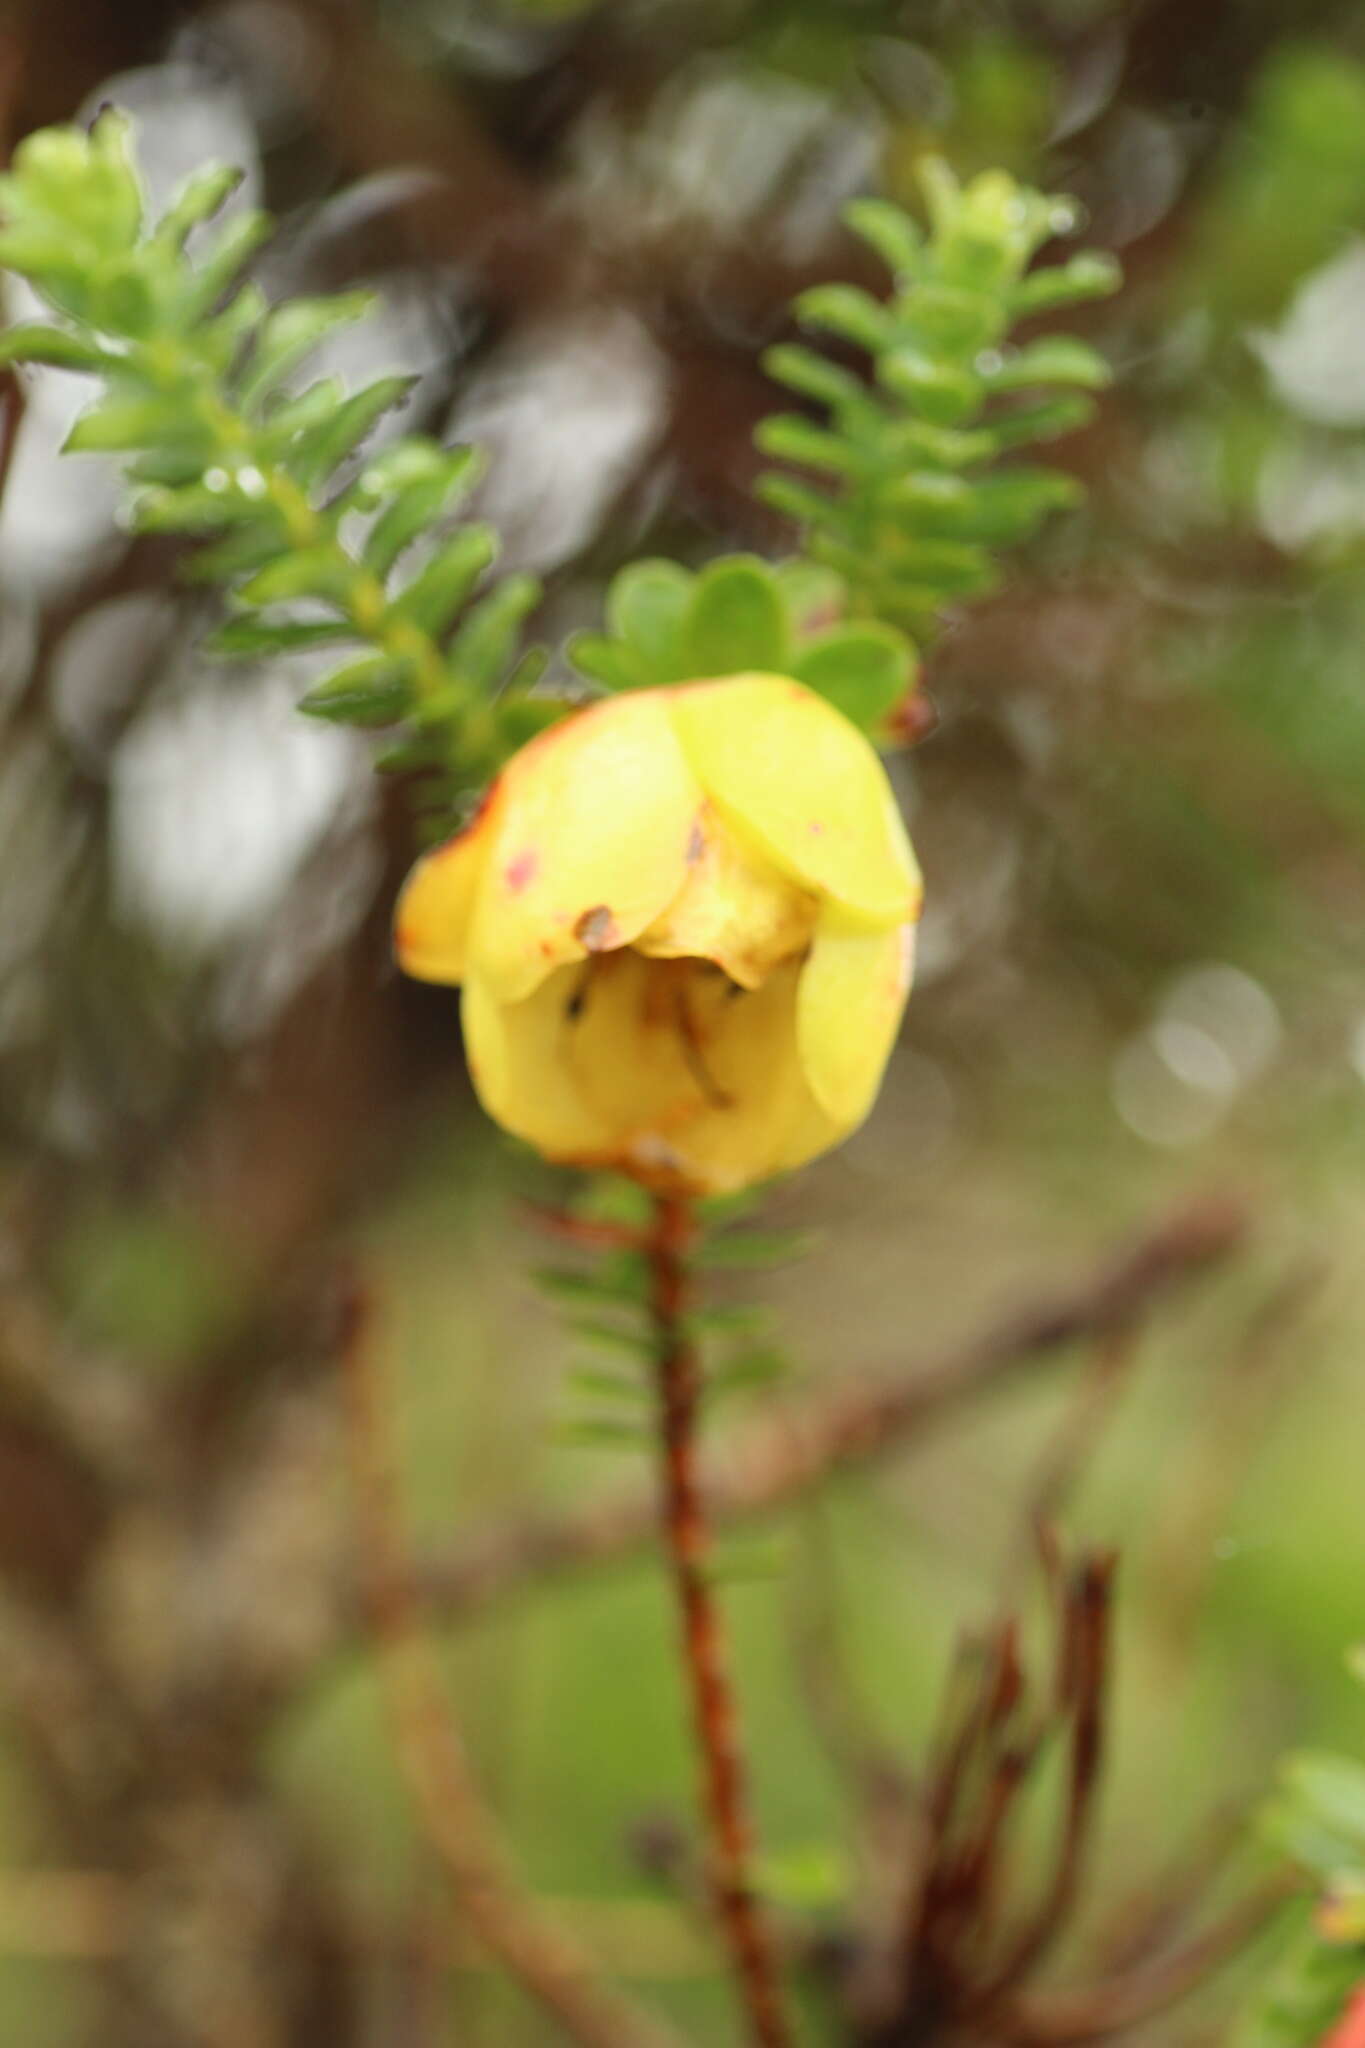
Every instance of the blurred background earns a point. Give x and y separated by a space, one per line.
1142 821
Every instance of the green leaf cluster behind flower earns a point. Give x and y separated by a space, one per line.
665 625
317 548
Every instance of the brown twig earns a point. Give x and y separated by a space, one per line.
1086 1656
724 1803
778 1459
544 1960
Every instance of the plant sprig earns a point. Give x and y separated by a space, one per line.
909 506
316 547
905 502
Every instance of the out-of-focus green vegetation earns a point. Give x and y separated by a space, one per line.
1142 828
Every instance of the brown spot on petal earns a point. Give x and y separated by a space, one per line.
596 929
696 843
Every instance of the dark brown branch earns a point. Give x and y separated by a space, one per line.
543 1959
778 1459
686 1537
1085 1656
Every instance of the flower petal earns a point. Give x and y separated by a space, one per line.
736 908
590 844
516 1055
848 1011
803 780
436 904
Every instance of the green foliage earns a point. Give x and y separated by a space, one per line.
905 503
1317 1820
668 626
316 547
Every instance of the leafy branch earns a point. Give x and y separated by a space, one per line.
905 503
909 510
313 543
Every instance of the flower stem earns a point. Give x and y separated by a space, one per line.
724 1803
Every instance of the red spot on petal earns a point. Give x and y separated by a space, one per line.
521 869
596 929
816 828
696 843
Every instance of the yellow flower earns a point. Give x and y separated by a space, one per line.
683 923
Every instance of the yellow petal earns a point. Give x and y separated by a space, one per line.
662 1069
735 908
436 905
590 842
848 1011
804 781
517 1054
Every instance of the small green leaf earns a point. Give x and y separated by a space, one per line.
233 247
791 438
117 424
814 376
321 571
333 440
442 586
865 671
371 691
290 332
1046 421
255 547
599 1382
486 642
889 230
736 620
950 569
614 1280
252 635
57 347
220 341
189 508
801 502
609 662
416 503
844 310
297 418
647 607
197 200
1056 359
1087 276
603 1431
613 1336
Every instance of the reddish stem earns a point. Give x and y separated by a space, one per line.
713 1708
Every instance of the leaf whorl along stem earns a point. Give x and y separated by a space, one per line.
687 1540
